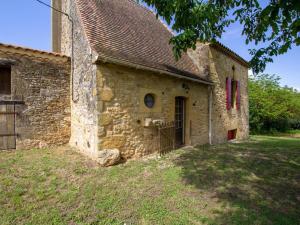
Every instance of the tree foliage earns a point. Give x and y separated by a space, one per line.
277 24
271 106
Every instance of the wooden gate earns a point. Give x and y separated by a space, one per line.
166 134
7 125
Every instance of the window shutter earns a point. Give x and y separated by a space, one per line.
238 95
228 93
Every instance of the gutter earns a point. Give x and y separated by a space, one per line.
210 101
141 67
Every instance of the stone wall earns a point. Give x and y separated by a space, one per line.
56 18
84 98
122 111
108 111
220 65
43 85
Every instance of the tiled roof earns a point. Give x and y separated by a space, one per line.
229 52
127 31
19 49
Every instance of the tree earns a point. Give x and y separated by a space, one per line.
271 106
277 24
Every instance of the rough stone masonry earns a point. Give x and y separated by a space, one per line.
109 113
40 83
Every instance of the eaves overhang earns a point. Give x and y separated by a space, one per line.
227 51
191 77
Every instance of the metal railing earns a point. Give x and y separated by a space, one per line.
166 133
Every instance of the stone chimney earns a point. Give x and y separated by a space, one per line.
56 26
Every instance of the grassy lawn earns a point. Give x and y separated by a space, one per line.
293 133
256 182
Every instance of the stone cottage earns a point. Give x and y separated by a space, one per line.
128 95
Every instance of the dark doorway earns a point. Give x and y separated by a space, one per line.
5 80
179 121
231 135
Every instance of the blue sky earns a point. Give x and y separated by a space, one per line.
27 23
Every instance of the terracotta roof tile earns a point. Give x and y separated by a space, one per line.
8 46
125 30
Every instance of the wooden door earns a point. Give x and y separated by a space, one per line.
7 127
179 121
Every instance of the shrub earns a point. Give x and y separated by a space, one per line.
272 107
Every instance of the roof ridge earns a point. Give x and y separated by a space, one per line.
135 2
152 12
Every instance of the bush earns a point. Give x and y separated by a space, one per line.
295 124
272 108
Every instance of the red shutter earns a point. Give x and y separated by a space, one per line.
229 135
238 95
228 93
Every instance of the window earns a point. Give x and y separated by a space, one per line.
238 95
5 80
228 93
231 134
232 94
149 100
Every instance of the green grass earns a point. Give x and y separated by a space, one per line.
255 182
294 131
289 133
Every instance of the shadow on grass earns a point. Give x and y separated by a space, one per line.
256 182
